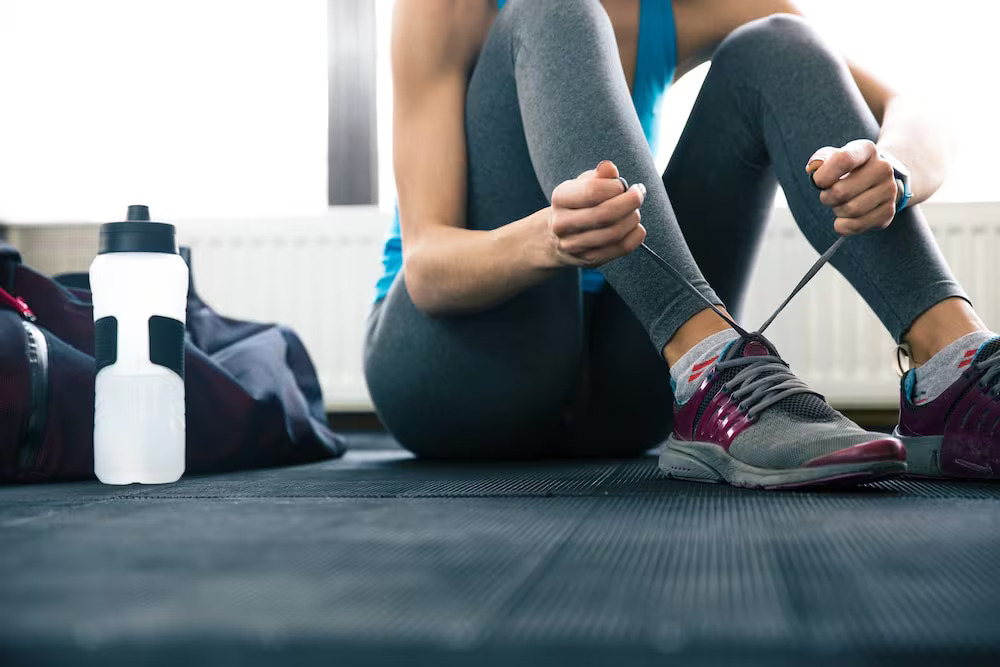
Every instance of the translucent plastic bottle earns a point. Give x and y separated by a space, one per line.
139 286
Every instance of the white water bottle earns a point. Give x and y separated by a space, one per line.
139 286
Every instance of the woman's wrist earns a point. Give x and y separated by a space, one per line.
530 240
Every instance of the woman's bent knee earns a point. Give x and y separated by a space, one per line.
762 45
549 19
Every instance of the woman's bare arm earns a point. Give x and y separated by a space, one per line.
448 268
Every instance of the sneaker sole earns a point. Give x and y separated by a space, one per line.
708 462
929 457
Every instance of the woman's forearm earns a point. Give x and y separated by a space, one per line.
454 270
920 140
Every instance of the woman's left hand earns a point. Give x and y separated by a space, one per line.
857 183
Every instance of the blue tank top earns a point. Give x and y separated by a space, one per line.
656 61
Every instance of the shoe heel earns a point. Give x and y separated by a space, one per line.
923 455
681 465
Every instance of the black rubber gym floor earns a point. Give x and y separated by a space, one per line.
378 559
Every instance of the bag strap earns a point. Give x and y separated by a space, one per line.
10 259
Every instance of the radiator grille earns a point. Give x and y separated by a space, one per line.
318 276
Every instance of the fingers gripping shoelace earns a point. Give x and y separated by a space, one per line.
767 379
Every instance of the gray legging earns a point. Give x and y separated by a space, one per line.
550 374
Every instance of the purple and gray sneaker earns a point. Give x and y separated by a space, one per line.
956 434
753 423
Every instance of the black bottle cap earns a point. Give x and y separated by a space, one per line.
137 234
138 213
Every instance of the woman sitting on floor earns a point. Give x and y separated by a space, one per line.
513 124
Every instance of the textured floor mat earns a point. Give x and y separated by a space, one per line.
378 559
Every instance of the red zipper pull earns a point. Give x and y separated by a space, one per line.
18 304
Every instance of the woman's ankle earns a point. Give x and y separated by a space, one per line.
940 326
702 325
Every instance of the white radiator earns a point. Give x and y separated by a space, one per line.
317 275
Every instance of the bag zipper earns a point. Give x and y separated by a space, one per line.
36 348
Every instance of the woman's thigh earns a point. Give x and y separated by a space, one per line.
491 385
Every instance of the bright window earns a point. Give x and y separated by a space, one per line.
218 108
199 108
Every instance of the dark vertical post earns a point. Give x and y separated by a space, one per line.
352 146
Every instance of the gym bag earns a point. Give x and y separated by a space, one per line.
251 392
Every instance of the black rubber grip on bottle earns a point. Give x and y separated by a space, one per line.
105 342
166 343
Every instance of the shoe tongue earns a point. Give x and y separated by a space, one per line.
757 346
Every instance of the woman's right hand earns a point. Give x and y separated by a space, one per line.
593 220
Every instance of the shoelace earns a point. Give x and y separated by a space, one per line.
989 380
766 379
823 259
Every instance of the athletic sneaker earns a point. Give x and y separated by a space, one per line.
753 423
957 434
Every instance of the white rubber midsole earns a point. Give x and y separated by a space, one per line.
708 462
